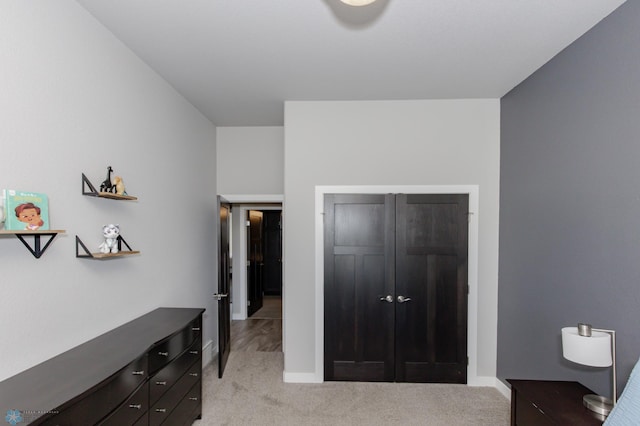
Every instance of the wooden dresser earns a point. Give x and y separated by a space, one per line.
145 372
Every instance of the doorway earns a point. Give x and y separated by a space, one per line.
264 260
395 303
263 330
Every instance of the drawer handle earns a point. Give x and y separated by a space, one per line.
195 328
161 410
193 352
136 406
163 383
138 373
193 398
193 374
163 353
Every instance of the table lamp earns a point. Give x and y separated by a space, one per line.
596 348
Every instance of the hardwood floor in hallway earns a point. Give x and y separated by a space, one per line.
261 332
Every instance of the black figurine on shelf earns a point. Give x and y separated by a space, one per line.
106 185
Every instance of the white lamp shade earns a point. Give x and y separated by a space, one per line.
594 351
357 2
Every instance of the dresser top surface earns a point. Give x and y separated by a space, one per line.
559 400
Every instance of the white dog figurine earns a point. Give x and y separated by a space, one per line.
110 243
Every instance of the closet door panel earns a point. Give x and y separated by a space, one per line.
358 324
431 252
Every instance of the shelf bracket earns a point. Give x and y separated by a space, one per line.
85 183
79 244
37 250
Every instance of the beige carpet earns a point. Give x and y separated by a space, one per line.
252 393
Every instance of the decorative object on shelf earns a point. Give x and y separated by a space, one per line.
119 184
110 233
80 246
26 211
596 348
107 185
26 214
90 190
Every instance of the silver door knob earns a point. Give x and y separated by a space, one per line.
219 296
402 299
388 299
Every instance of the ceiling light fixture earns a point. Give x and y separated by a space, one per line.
357 2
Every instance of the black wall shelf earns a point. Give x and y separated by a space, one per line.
38 249
101 256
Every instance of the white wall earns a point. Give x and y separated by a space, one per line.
438 142
250 160
250 169
75 100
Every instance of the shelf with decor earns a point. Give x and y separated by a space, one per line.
38 248
91 191
84 253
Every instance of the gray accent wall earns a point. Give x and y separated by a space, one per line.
570 205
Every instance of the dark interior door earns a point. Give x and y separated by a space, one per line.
224 286
272 252
255 266
359 287
395 287
431 288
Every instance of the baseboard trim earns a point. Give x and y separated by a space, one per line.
491 382
481 381
503 389
288 377
208 351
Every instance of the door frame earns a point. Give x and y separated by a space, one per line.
242 204
472 191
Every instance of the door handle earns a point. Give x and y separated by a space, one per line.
388 298
402 299
219 296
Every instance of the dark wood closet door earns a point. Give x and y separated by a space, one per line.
255 267
272 252
431 271
359 275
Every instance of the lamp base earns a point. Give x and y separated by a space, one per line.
598 404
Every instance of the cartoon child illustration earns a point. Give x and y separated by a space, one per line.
29 213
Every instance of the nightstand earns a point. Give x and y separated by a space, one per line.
544 402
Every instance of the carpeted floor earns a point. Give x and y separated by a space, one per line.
252 393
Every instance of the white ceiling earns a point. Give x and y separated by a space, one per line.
237 61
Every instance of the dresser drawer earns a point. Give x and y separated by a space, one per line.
161 410
165 378
143 421
168 349
189 408
105 397
131 410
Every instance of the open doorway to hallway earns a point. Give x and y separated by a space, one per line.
257 278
